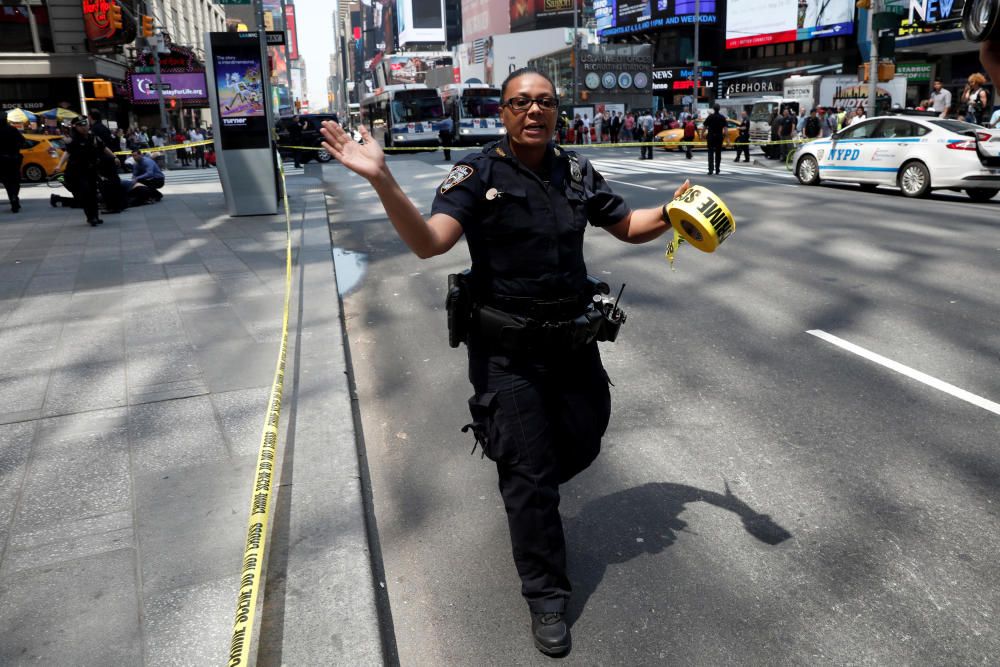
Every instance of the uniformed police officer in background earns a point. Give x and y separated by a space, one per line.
541 401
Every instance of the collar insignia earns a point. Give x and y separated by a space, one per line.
458 173
499 151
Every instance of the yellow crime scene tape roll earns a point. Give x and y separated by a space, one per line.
255 551
699 217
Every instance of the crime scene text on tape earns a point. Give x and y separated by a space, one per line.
700 218
255 549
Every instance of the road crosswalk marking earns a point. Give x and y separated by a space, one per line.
209 175
635 166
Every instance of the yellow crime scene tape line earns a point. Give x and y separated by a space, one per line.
629 144
171 147
255 551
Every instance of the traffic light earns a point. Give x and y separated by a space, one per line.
103 90
115 16
147 26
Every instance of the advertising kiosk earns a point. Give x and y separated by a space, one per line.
241 114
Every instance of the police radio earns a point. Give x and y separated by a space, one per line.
613 317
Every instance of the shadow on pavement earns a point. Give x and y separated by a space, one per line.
604 532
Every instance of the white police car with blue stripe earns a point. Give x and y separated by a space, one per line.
917 154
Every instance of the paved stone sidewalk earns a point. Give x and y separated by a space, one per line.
135 363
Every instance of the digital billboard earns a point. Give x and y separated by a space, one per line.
753 23
482 18
183 86
420 21
239 69
619 17
540 14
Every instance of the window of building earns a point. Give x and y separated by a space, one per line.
15 27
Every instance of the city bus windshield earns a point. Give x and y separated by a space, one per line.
411 107
481 105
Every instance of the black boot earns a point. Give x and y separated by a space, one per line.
550 632
54 200
15 205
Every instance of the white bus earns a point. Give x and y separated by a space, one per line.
475 110
405 114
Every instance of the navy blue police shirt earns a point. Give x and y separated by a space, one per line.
525 229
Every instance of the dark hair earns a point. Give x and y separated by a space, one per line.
521 72
95 114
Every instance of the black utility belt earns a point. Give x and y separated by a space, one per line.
517 333
468 319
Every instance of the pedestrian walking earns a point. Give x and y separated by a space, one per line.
743 138
940 99
646 124
974 99
578 130
586 129
541 400
195 135
11 143
598 127
690 131
812 127
616 126
295 130
82 159
715 129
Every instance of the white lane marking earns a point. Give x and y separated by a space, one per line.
634 185
940 385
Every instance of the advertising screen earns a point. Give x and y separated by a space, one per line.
183 86
540 14
240 90
617 17
754 23
420 21
481 18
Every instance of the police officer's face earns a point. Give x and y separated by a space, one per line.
533 127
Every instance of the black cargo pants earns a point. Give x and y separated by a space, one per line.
540 417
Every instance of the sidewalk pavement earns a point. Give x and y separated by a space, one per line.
135 363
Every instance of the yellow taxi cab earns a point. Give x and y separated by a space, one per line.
671 140
41 154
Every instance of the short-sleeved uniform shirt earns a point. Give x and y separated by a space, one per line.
525 229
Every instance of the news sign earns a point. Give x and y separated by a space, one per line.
619 17
753 23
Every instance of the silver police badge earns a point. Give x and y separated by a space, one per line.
458 173
574 171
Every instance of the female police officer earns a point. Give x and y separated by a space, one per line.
541 402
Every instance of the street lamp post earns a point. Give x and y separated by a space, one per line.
873 64
697 69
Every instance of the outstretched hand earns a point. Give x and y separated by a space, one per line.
366 160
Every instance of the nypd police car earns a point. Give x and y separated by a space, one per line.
917 154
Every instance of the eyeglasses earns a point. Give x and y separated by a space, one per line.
524 103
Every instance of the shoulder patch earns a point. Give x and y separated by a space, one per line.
458 173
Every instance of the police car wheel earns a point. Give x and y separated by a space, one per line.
914 179
34 173
807 171
323 156
981 194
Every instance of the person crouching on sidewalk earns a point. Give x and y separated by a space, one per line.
147 179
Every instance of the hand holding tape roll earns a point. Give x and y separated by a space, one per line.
699 217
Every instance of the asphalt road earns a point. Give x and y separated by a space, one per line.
764 496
